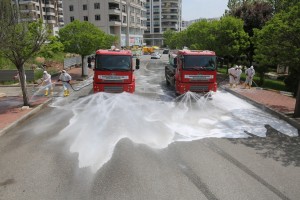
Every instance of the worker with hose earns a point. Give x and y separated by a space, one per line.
47 82
250 72
232 76
65 78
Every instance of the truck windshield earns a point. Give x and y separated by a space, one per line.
113 62
199 63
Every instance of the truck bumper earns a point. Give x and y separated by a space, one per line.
114 88
182 88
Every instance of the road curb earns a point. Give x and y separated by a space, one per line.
265 108
25 117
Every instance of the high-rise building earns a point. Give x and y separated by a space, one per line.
125 19
50 11
161 16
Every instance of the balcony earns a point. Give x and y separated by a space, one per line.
171 1
144 27
114 22
113 6
50 21
27 2
49 6
29 9
113 1
132 24
114 11
50 13
168 19
169 13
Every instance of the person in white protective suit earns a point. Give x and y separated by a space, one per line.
250 72
47 83
238 74
232 76
65 78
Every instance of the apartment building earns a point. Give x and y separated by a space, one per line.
161 16
125 19
50 11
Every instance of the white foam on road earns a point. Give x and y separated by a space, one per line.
101 120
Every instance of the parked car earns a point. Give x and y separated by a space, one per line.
155 55
166 51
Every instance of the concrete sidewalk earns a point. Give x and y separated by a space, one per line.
11 101
275 102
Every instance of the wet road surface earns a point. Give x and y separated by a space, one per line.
55 155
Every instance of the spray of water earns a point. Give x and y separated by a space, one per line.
101 120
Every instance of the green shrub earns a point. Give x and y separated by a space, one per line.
274 84
38 73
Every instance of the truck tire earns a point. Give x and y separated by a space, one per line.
167 82
176 93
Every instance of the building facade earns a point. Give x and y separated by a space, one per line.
161 16
125 19
50 11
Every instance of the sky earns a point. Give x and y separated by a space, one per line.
195 9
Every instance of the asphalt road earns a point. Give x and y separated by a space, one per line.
36 162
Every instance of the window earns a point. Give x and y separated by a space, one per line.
84 7
71 7
97 17
201 62
108 62
97 5
71 19
85 18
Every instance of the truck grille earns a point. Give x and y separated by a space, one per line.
113 89
199 88
113 81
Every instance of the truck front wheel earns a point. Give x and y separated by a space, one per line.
167 82
176 93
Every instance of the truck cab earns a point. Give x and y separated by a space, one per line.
192 70
113 71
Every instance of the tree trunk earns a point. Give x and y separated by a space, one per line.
21 72
297 106
82 63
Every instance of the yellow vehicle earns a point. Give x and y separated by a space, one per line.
148 50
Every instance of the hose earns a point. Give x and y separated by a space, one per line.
77 89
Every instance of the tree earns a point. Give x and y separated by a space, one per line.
84 38
282 5
202 35
226 37
167 35
231 39
19 40
54 46
279 43
254 14
179 40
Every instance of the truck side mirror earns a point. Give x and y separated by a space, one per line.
137 63
89 61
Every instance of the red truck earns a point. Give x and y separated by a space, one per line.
113 71
192 70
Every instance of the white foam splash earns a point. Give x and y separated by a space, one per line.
101 120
